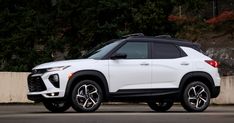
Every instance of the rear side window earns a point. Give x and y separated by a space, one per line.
165 51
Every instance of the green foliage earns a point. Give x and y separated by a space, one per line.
195 8
147 14
32 30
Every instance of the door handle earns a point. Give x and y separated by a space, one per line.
144 64
184 63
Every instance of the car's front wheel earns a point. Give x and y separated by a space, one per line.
57 107
160 106
86 96
196 97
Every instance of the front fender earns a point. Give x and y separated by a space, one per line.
87 74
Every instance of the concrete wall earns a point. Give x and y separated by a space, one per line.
226 95
13 88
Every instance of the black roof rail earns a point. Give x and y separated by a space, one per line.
163 36
134 34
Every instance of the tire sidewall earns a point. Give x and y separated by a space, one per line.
49 105
154 106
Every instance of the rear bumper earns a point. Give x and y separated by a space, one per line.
215 92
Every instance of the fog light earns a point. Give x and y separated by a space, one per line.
53 94
54 79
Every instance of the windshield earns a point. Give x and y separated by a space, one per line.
101 50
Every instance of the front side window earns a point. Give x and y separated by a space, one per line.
134 50
101 50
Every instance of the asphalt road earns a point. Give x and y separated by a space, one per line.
115 114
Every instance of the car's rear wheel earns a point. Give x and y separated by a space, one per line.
161 105
57 107
196 97
86 96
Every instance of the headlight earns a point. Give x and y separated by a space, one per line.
57 68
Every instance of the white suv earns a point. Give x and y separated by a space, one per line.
157 70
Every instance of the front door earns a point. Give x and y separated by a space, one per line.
133 72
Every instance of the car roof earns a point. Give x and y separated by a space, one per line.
165 39
160 40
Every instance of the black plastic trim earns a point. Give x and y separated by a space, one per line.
144 92
80 74
35 83
199 74
40 98
216 92
55 84
37 98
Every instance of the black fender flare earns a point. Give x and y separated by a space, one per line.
197 75
79 74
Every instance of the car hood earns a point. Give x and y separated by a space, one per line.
62 63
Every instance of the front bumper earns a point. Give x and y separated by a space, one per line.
37 98
35 83
41 98
40 86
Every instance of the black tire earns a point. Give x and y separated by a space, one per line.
160 106
57 107
195 97
86 96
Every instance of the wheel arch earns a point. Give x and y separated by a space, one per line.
197 76
94 75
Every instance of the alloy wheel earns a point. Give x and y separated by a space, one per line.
197 96
87 96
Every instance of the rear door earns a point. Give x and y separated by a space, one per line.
167 65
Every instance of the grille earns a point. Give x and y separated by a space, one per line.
36 84
39 71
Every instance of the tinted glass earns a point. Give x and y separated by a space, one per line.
101 50
165 51
135 50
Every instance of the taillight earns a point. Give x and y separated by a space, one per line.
212 63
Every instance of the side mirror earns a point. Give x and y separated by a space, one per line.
119 56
